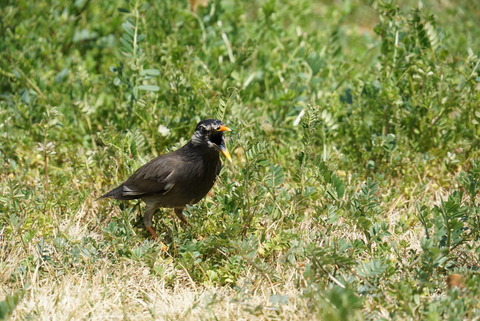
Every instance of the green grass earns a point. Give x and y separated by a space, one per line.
354 191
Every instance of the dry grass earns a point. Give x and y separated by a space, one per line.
128 290
106 289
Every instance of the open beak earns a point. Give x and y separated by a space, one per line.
224 151
222 148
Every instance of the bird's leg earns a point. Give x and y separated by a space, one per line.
147 219
179 213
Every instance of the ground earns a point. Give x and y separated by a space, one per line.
353 192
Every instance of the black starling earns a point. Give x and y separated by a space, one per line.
179 178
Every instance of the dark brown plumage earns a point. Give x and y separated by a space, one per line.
182 177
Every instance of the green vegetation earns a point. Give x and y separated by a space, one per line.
354 191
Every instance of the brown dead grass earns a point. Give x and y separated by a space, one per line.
129 291
102 290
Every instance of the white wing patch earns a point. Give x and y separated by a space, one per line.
169 185
130 192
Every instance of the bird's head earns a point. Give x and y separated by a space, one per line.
210 132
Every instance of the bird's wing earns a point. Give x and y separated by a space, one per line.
155 177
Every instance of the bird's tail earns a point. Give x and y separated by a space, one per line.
114 193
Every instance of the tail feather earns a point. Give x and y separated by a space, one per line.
116 193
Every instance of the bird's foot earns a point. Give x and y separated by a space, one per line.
155 238
183 219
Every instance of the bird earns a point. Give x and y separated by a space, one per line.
179 178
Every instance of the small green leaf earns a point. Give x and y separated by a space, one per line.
128 27
372 268
149 87
150 72
8 306
127 46
338 185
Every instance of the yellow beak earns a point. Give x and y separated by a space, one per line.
223 148
223 129
225 153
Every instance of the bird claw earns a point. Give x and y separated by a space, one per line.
164 248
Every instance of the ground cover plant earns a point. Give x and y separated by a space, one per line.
354 188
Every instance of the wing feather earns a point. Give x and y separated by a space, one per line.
155 177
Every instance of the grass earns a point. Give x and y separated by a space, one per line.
353 194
